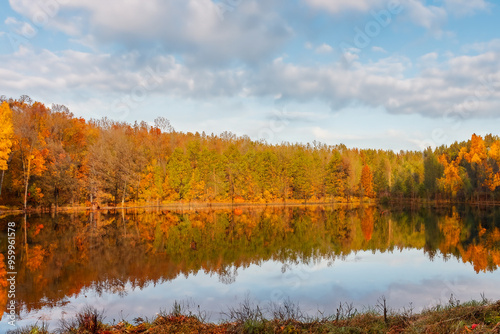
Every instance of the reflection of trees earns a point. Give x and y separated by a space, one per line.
3 286
110 252
367 222
450 227
227 274
470 241
112 285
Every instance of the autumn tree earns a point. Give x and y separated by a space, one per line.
366 182
300 174
30 134
451 181
433 170
382 177
494 154
335 176
179 174
114 162
351 159
6 136
151 183
66 145
479 169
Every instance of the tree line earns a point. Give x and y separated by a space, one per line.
49 158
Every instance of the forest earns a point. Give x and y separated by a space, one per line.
49 158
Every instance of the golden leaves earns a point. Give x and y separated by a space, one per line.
6 134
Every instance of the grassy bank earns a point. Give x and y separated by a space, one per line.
455 317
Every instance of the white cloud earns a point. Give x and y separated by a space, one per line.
339 6
193 28
416 11
466 7
429 61
21 28
378 49
71 73
430 17
482 46
323 48
416 7
431 56
466 87
350 57
327 135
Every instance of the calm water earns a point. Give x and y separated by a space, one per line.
136 263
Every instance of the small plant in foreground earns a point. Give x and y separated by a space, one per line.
32 329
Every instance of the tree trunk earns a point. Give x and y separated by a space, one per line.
26 181
26 235
57 198
1 182
124 193
215 183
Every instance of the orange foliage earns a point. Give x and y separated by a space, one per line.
3 286
36 255
367 181
451 181
477 152
368 223
478 256
450 227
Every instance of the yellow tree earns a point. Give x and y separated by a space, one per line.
6 134
196 187
451 181
494 153
29 134
477 157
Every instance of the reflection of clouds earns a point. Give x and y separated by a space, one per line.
316 286
432 292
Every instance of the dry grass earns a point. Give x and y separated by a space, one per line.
471 317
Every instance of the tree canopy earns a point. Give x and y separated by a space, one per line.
52 158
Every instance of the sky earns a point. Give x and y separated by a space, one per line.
383 74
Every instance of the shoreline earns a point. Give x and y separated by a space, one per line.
190 206
455 317
229 205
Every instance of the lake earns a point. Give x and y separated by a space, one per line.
136 262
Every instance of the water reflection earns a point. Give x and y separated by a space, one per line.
125 254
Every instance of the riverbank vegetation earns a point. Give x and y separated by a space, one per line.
455 317
49 158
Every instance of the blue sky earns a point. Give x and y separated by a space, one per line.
397 74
